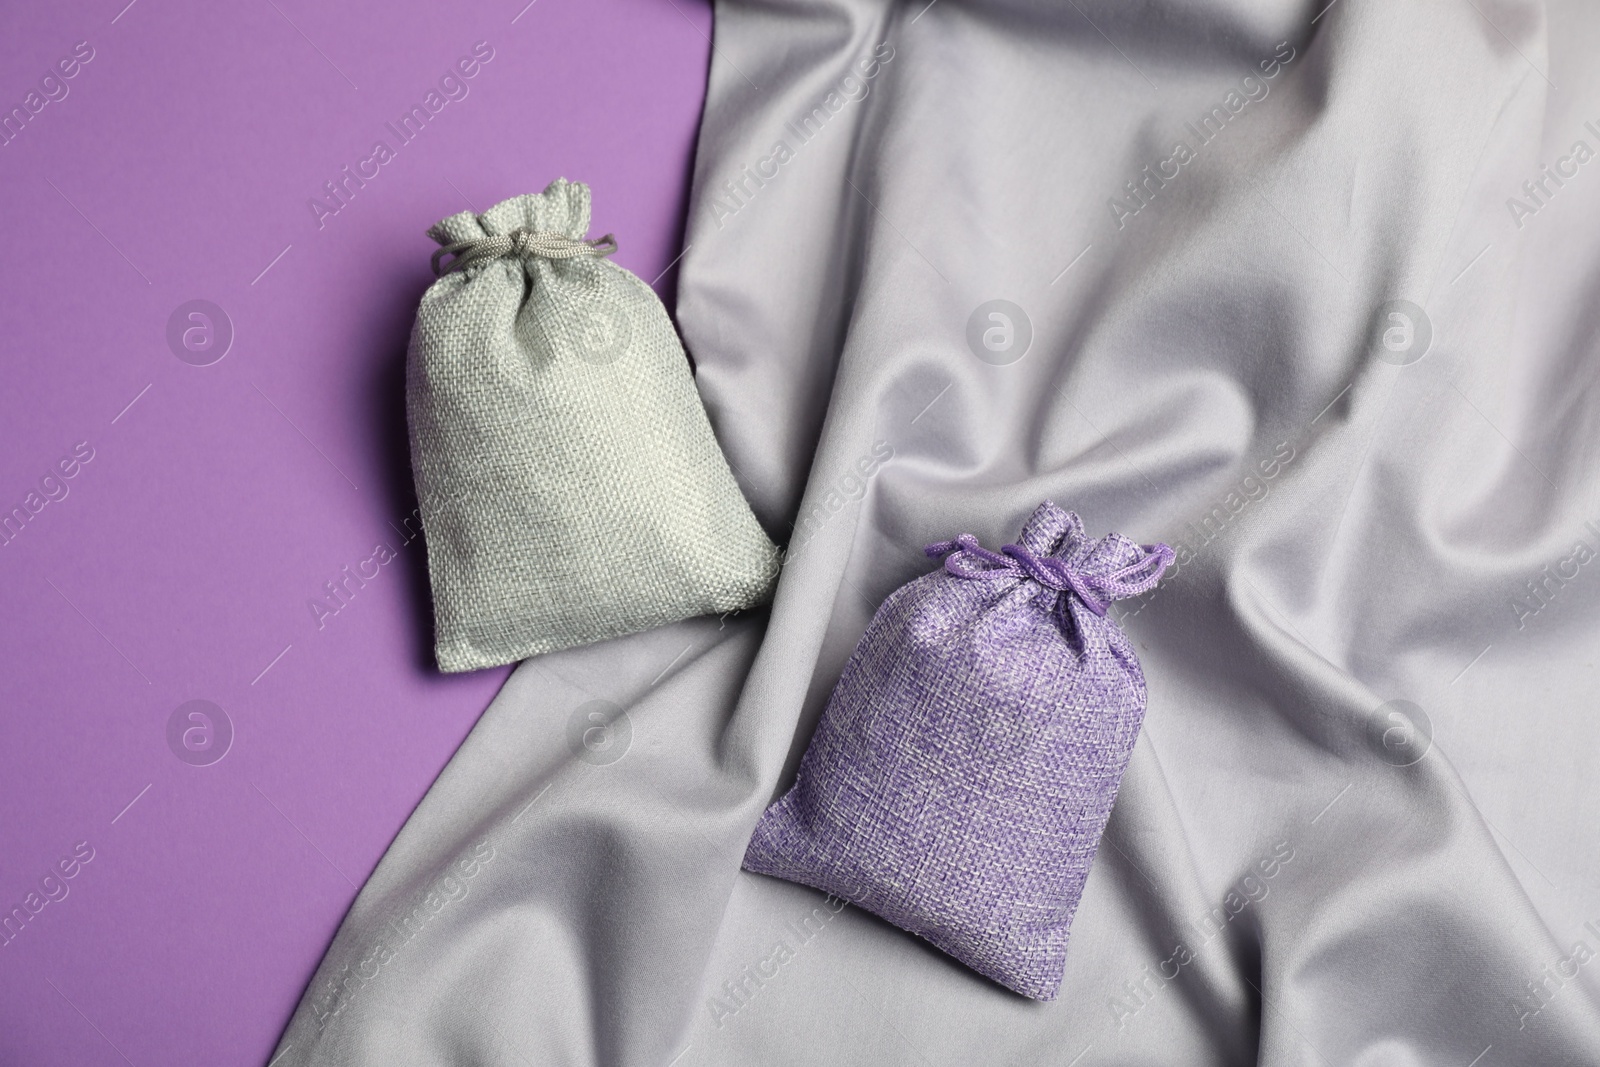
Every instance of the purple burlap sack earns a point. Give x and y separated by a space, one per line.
966 764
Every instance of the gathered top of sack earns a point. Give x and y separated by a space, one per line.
550 225
1055 553
562 208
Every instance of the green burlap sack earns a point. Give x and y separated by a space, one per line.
571 487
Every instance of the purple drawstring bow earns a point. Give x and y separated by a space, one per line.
1095 586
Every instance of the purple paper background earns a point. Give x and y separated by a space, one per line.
180 564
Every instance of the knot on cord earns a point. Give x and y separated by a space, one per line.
1095 578
522 243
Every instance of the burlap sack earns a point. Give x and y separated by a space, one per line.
964 768
570 485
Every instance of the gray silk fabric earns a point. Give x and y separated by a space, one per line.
570 484
1338 351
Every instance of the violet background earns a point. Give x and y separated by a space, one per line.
181 562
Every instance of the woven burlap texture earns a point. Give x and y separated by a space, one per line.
570 484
